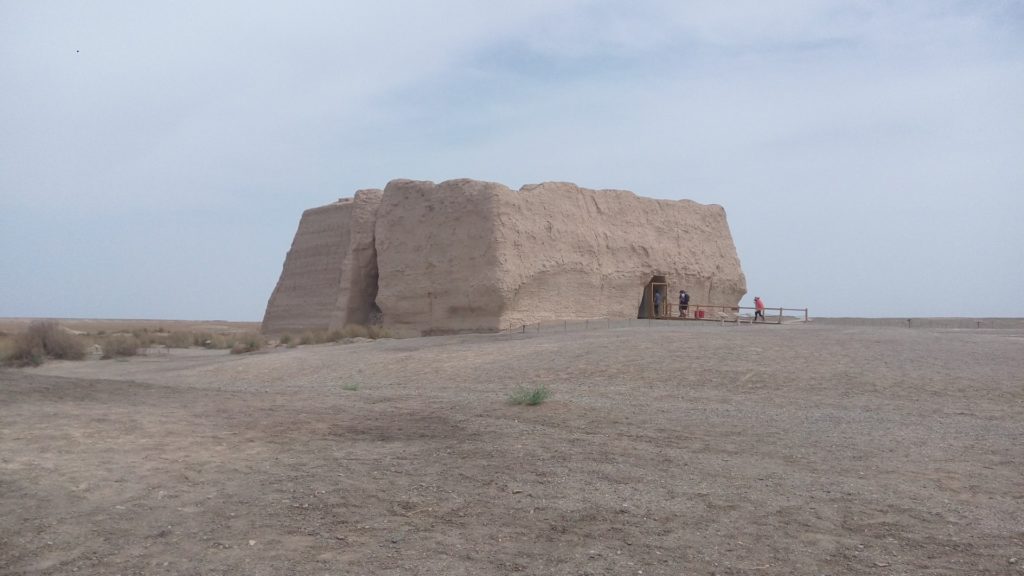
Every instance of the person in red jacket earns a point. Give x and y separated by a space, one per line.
758 308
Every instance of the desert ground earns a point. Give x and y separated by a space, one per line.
676 448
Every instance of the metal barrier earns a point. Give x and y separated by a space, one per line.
711 313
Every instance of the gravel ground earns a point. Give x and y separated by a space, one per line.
682 448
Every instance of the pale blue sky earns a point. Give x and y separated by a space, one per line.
155 157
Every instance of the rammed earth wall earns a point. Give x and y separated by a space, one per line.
465 255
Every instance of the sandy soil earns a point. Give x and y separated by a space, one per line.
680 449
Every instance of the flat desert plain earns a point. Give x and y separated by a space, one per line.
681 448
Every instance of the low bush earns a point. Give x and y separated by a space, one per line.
214 341
120 345
41 339
143 338
248 342
355 331
24 350
56 341
6 346
316 337
179 340
529 396
323 336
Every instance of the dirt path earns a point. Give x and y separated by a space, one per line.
689 449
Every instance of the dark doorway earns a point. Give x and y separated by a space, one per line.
656 285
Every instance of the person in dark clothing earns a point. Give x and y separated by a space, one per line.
684 303
657 303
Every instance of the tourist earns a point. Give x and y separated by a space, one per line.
758 308
657 303
684 303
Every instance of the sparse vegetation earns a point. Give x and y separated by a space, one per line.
214 341
359 331
120 345
56 341
323 336
356 331
179 340
24 350
350 387
529 396
43 338
6 346
248 342
46 338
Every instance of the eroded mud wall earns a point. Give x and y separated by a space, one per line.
465 255
436 257
306 294
470 255
571 252
358 289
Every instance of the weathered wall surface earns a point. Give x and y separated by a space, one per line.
465 255
469 255
571 252
357 291
436 256
307 291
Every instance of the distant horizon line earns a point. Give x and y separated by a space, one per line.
812 316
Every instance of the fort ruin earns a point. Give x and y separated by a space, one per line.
466 255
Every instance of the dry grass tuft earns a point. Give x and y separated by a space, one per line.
529 396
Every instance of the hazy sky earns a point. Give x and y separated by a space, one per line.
155 157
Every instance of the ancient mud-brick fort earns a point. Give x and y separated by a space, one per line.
465 255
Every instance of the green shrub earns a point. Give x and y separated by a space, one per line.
285 339
120 345
529 396
350 387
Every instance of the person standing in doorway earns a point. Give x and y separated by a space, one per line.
657 303
684 303
758 308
